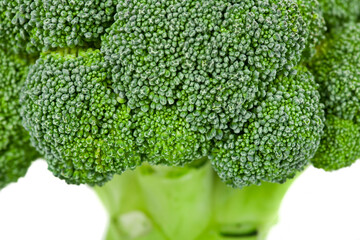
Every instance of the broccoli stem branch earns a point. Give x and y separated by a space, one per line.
177 203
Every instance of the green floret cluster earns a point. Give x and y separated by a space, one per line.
178 81
336 68
16 153
75 119
59 24
336 12
164 137
209 58
339 145
282 135
68 102
312 14
14 23
33 26
162 52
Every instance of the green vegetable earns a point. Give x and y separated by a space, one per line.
160 104
149 100
75 119
312 15
339 145
41 25
336 68
336 12
16 152
281 136
14 23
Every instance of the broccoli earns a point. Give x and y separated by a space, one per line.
16 152
339 144
282 135
336 12
76 121
191 110
312 14
178 108
336 68
34 26
14 22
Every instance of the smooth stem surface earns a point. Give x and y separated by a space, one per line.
158 203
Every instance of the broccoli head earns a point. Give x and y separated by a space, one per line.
170 99
16 152
180 81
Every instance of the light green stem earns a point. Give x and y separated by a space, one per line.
178 203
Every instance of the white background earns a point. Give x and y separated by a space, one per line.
319 206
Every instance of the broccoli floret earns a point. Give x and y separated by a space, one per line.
336 12
44 25
339 145
336 68
279 139
75 119
16 152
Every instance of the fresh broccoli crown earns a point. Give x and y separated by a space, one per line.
336 12
178 81
16 153
337 70
208 58
50 24
311 12
75 119
339 145
281 137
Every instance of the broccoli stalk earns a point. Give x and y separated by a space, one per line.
158 202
